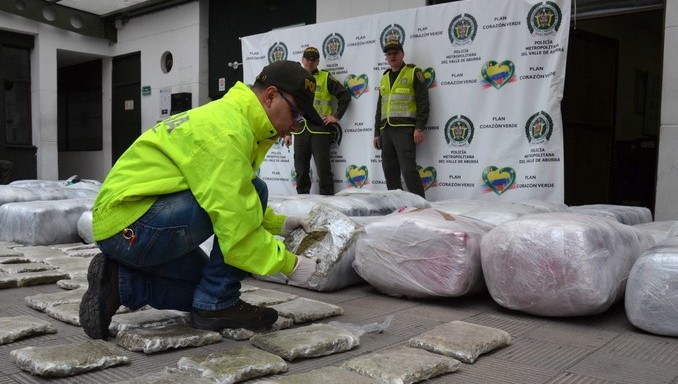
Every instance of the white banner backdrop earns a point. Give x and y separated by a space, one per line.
496 71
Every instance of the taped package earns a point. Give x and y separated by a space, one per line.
331 242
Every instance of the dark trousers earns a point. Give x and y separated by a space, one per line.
399 153
307 144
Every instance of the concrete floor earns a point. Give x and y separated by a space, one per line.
600 349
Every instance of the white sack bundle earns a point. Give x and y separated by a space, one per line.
622 213
331 241
422 253
43 222
652 290
350 202
560 264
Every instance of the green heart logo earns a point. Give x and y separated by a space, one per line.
498 74
356 85
428 176
429 76
499 180
357 176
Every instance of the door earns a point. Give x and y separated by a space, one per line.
230 20
588 108
126 109
17 153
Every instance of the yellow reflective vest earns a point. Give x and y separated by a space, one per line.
398 100
322 102
213 150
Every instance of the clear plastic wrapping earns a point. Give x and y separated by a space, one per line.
43 222
652 290
330 241
622 213
422 253
560 264
350 202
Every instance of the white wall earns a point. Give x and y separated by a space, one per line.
44 99
329 10
181 30
666 201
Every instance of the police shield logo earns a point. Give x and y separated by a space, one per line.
544 18
277 52
333 46
539 128
459 131
392 32
462 29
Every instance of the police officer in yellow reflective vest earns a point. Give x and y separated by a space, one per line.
402 113
314 139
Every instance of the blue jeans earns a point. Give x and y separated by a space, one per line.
165 266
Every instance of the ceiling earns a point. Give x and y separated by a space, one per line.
95 18
100 7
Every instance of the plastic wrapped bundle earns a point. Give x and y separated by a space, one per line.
652 290
544 206
84 227
13 194
75 181
622 213
42 222
330 241
422 253
560 264
299 205
351 203
458 206
497 213
32 183
673 231
660 230
19 194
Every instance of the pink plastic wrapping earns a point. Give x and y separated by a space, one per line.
422 253
560 264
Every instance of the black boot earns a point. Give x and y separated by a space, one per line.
102 299
239 315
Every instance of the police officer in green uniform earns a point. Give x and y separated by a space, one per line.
314 139
402 113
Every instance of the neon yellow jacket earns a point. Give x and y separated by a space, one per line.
213 150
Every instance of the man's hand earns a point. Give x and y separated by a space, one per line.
288 140
293 222
329 119
303 271
418 136
376 142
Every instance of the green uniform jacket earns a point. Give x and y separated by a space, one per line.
213 150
